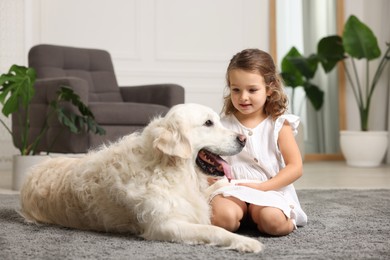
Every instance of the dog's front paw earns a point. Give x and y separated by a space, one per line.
217 185
247 245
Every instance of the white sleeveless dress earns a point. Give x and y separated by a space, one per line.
259 161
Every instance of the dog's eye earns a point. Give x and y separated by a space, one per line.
209 123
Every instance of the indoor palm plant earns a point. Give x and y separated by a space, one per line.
358 42
16 94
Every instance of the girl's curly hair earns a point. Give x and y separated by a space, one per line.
258 61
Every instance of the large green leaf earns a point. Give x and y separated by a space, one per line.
11 105
314 94
359 41
76 123
67 119
306 66
16 88
291 75
67 94
330 51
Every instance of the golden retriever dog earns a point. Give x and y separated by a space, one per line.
146 183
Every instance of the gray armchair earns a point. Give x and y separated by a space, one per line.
90 73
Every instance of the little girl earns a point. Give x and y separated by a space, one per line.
261 190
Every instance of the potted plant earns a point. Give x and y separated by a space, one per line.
357 42
16 93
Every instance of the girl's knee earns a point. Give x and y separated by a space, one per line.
278 227
228 220
227 215
272 221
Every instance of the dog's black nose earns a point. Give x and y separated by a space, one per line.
241 140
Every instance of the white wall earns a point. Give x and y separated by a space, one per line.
182 41
11 51
151 41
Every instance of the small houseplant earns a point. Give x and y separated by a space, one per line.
16 93
358 42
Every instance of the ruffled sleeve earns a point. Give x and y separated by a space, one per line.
293 120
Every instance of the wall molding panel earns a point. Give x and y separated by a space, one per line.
202 37
157 41
11 52
106 26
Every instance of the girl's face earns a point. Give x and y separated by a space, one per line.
247 91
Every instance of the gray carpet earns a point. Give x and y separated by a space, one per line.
343 224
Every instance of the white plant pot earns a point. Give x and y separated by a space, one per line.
364 148
21 166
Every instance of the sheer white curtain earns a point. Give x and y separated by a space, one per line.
319 20
290 33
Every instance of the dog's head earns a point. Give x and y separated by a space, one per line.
193 131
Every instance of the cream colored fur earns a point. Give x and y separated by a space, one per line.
146 183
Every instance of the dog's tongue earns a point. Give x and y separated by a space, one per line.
226 168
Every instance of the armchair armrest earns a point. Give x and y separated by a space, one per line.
45 89
163 94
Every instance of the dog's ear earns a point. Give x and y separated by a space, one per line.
172 141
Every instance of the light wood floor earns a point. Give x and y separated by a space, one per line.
317 175
337 175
